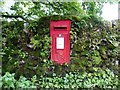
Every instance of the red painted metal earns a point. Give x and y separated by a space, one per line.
60 45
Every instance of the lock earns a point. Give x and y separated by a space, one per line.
60 35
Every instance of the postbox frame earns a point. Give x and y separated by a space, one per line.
57 28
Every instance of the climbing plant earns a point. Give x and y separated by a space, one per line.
95 45
26 41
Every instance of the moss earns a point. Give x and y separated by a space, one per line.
44 22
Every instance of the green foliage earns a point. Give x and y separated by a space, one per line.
99 79
33 10
95 44
24 83
36 9
9 81
26 51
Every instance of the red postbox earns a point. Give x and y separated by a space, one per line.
60 47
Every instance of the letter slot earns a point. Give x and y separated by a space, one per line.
60 27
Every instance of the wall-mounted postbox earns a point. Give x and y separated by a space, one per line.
60 45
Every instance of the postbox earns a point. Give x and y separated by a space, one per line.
60 45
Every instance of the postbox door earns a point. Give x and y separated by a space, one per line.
60 48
